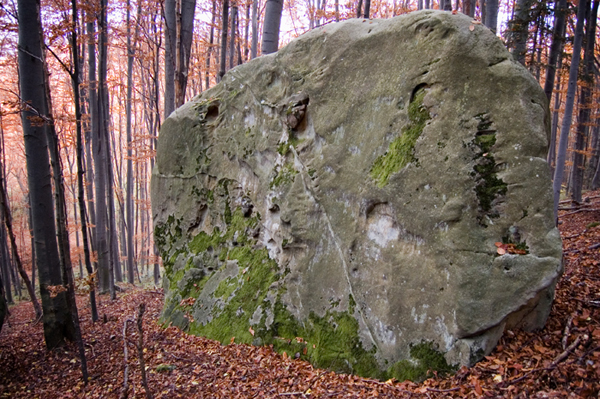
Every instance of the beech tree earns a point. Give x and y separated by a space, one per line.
270 42
179 25
569 103
519 29
58 322
585 103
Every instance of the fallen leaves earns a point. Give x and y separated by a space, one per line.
523 365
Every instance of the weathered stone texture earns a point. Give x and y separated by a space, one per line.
341 199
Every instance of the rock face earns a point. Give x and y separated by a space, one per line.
344 199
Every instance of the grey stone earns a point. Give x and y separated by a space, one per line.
343 197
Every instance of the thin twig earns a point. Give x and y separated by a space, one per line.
564 355
141 311
579 210
565 338
125 358
444 390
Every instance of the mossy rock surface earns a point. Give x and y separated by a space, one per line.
341 199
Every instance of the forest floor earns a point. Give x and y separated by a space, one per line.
560 361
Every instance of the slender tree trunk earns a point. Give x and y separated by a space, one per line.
359 12
3 304
367 9
224 29
5 265
58 322
585 94
491 14
271 26
169 17
254 49
247 33
234 12
64 248
211 42
554 128
568 114
129 195
185 17
13 242
519 29
446 5
100 161
80 170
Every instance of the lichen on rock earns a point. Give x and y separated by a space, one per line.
344 199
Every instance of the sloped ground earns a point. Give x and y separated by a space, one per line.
562 360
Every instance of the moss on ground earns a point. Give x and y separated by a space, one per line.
425 359
401 150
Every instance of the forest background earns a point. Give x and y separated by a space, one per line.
112 71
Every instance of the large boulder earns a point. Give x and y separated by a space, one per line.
373 198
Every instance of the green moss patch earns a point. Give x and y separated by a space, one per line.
425 359
331 341
488 187
285 175
401 150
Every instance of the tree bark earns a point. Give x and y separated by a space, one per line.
585 96
224 29
101 159
58 323
558 34
367 9
254 49
13 243
185 34
232 31
568 114
129 194
271 26
519 29
75 76
491 14
169 18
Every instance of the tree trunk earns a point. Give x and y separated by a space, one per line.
519 29
5 271
58 323
468 7
446 5
224 29
254 49
271 26
64 248
13 242
3 305
234 12
211 42
491 14
185 34
359 12
367 9
246 34
558 34
169 17
585 103
568 114
129 194
553 130
80 170
100 161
